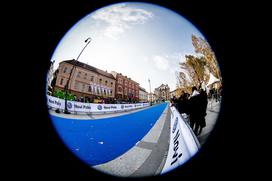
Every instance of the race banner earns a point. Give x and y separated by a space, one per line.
78 106
73 106
182 146
55 102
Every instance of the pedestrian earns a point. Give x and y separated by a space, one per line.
180 102
201 123
194 109
183 103
174 100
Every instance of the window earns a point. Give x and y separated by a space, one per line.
83 87
111 84
85 76
100 80
76 85
120 81
65 69
90 89
61 81
78 74
120 89
125 83
125 91
92 78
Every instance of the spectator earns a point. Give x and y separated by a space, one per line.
195 109
201 123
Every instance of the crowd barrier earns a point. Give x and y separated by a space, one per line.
183 142
79 107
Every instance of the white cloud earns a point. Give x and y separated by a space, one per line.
121 17
161 62
113 31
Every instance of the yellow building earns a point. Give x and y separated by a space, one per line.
86 81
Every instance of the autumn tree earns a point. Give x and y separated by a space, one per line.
202 47
196 69
183 82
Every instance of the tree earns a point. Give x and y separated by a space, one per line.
202 47
182 80
195 67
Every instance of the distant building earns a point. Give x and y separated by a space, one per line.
126 89
143 95
162 92
86 81
151 97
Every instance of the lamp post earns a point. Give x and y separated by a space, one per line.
66 87
150 92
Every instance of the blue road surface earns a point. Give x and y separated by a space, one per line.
101 140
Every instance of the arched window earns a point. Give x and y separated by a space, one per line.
120 89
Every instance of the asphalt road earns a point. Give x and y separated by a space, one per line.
99 141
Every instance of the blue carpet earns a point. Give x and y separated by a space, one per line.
101 140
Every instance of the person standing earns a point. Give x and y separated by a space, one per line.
203 105
194 109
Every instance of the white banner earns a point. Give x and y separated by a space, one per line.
183 143
54 102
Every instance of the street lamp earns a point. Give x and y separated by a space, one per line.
66 87
150 92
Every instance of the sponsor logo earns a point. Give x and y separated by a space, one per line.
99 107
176 155
110 107
87 107
54 102
69 105
175 125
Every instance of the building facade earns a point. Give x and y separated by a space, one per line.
126 89
143 95
151 97
86 81
162 92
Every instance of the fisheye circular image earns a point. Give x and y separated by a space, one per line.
134 90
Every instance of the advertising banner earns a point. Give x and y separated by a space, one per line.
104 107
73 106
78 106
182 145
55 102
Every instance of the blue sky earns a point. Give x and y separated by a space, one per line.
142 41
